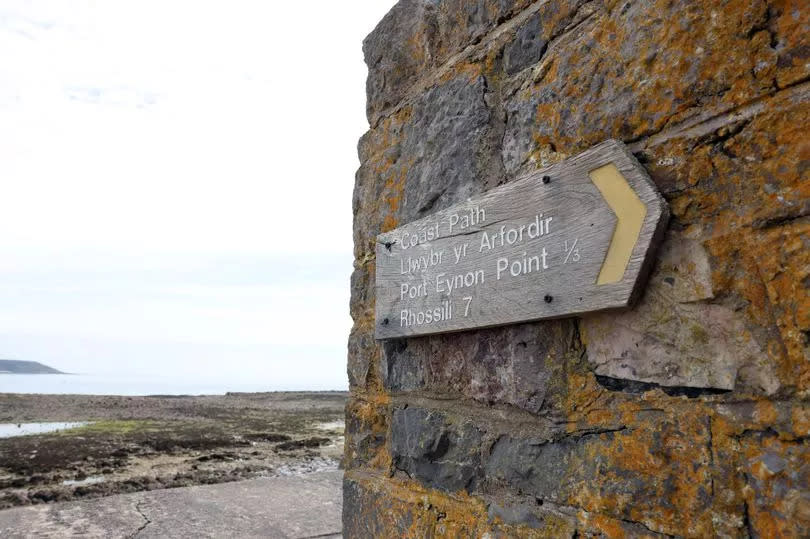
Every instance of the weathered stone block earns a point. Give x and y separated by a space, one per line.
521 365
362 292
439 453
747 172
366 433
427 34
430 155
628 71
723 332
786 274
777 473
672 337
393 69
402 366
762 447
366 514
531 38
625 473
380 507
622 471
362 351
376 506
741 279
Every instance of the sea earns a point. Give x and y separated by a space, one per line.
132 385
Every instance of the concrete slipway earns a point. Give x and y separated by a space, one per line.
300 507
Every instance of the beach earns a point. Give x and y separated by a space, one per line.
123 444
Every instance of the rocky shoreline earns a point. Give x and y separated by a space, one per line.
142 443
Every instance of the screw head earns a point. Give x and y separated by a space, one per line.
548 299
546 179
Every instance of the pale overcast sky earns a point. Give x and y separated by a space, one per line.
177 183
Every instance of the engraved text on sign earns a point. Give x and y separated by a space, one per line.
569 239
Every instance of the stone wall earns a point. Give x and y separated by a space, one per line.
685 416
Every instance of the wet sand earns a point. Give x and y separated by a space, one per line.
142 443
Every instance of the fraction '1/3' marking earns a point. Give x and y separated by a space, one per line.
573 250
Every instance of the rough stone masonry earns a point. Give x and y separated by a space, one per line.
688 415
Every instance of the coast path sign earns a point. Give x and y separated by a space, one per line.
576 237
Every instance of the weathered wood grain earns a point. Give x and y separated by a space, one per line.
549 271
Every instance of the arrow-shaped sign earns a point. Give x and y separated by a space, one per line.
576 237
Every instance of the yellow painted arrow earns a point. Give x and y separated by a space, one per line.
630 213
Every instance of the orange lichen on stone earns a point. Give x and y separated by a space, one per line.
794 59
465 70
643 452
735 271
400 507
777 472
366 439
583 395
608 526
770 268
786 273
765 413
714 99
404 508
800 419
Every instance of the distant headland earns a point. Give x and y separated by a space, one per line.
13 366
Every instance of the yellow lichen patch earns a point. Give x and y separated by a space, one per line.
394 191
369 418
793 23
670 459
583 395
468 70
786 272
611 528
800 418
777 474
734 263
405 508
765 413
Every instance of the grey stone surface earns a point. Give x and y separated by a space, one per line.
447 138
527 47
402 365
532 38
366 423
393 69
427 33
360 342
361 518
444 137
441 454
673 337
283 507
445 134
557 470
520 365
535 467
531 514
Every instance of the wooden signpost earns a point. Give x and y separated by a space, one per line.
576 237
